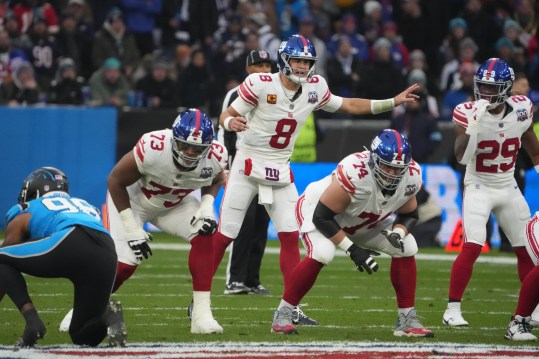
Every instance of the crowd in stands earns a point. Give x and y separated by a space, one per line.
187 53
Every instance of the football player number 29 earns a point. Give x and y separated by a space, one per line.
506 149
283 132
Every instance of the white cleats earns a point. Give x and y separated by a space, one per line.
205 325
453 317
520 330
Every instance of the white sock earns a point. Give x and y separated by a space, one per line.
201 303
405 311
453 305
284 303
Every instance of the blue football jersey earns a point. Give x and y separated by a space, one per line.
57 211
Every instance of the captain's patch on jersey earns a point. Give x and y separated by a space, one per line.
272 99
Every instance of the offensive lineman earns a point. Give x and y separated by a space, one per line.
489 132
278 105
152 183
354 208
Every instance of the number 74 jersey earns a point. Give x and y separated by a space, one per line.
368 207
498 140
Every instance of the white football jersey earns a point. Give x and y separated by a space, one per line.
162 184
498 140
369 206
275 120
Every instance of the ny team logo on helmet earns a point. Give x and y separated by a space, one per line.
42 181
390 157
493 82
192 135
296 47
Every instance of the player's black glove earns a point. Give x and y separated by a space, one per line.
209 225
362 258
395 238
141 248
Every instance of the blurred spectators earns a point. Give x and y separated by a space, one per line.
343 71
418 76
10 57
112 40
462 94
399 52
414 26
66 88
288 13
21 89
228 49
381 79
195 83
348 28
182 59
18 40
306 28
26 10
44 53
482 27
266 38
323 12
449 79
140 20
108 87
458 29
372 21
158 89
173 22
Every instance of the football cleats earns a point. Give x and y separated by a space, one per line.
41 181
390 156
493 82
296 47
192 135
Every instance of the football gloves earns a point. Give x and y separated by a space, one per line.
206 215
141 248
473 123
395 238
362 258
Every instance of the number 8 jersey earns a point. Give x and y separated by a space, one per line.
274 126
498 140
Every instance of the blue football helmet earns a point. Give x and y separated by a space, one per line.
390 156
42 181
296 47
192 135
493 82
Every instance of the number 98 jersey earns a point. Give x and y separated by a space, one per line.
498 140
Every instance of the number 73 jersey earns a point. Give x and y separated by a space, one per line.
498 140
368 206
162 185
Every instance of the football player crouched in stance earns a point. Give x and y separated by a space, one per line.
153 183
367 204
520 327
50 234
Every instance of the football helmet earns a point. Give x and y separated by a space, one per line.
42 181
296 47
493 82
390 156
192 135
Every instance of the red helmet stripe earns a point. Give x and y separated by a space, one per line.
399 145
304 40
490 66
197 123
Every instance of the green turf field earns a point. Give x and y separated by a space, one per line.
350 305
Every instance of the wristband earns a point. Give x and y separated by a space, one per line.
226 122
401 232
536 168
128 220
379 106
206 205
345 244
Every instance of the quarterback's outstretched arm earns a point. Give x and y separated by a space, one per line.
361 106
